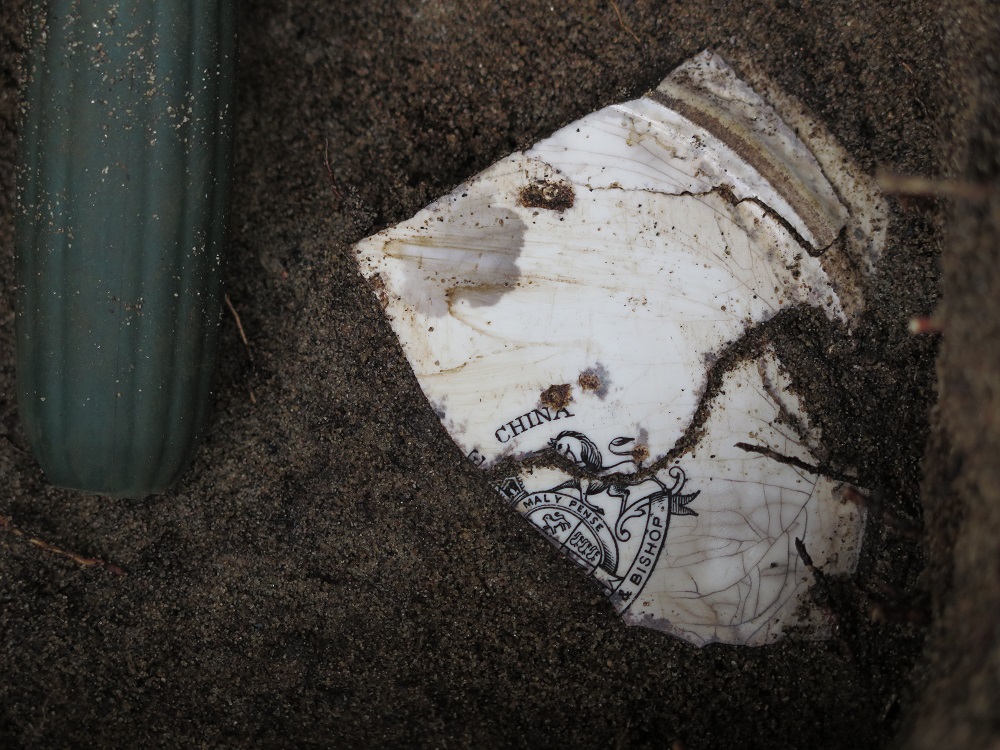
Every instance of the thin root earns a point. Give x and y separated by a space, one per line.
898 184
243 337
621 21
239 326
87 562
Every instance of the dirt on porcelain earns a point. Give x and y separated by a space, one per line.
332 572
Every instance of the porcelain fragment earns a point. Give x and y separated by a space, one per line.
566 310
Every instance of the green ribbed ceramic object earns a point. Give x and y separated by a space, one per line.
123 188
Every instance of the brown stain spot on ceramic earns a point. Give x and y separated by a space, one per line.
554 196
640 453
557 396
589 381
378 286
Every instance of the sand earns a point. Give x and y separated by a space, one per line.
332 572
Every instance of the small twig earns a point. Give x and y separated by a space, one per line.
246 342
621 21
763 450
798 463
88 562
897 184
819 575
239 325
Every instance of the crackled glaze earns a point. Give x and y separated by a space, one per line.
564 309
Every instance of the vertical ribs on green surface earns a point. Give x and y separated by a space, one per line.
123 188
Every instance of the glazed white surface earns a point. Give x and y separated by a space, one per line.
585 288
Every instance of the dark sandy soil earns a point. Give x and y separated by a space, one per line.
332 572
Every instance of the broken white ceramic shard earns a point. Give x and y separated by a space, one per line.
563 312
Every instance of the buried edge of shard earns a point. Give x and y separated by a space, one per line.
562 311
